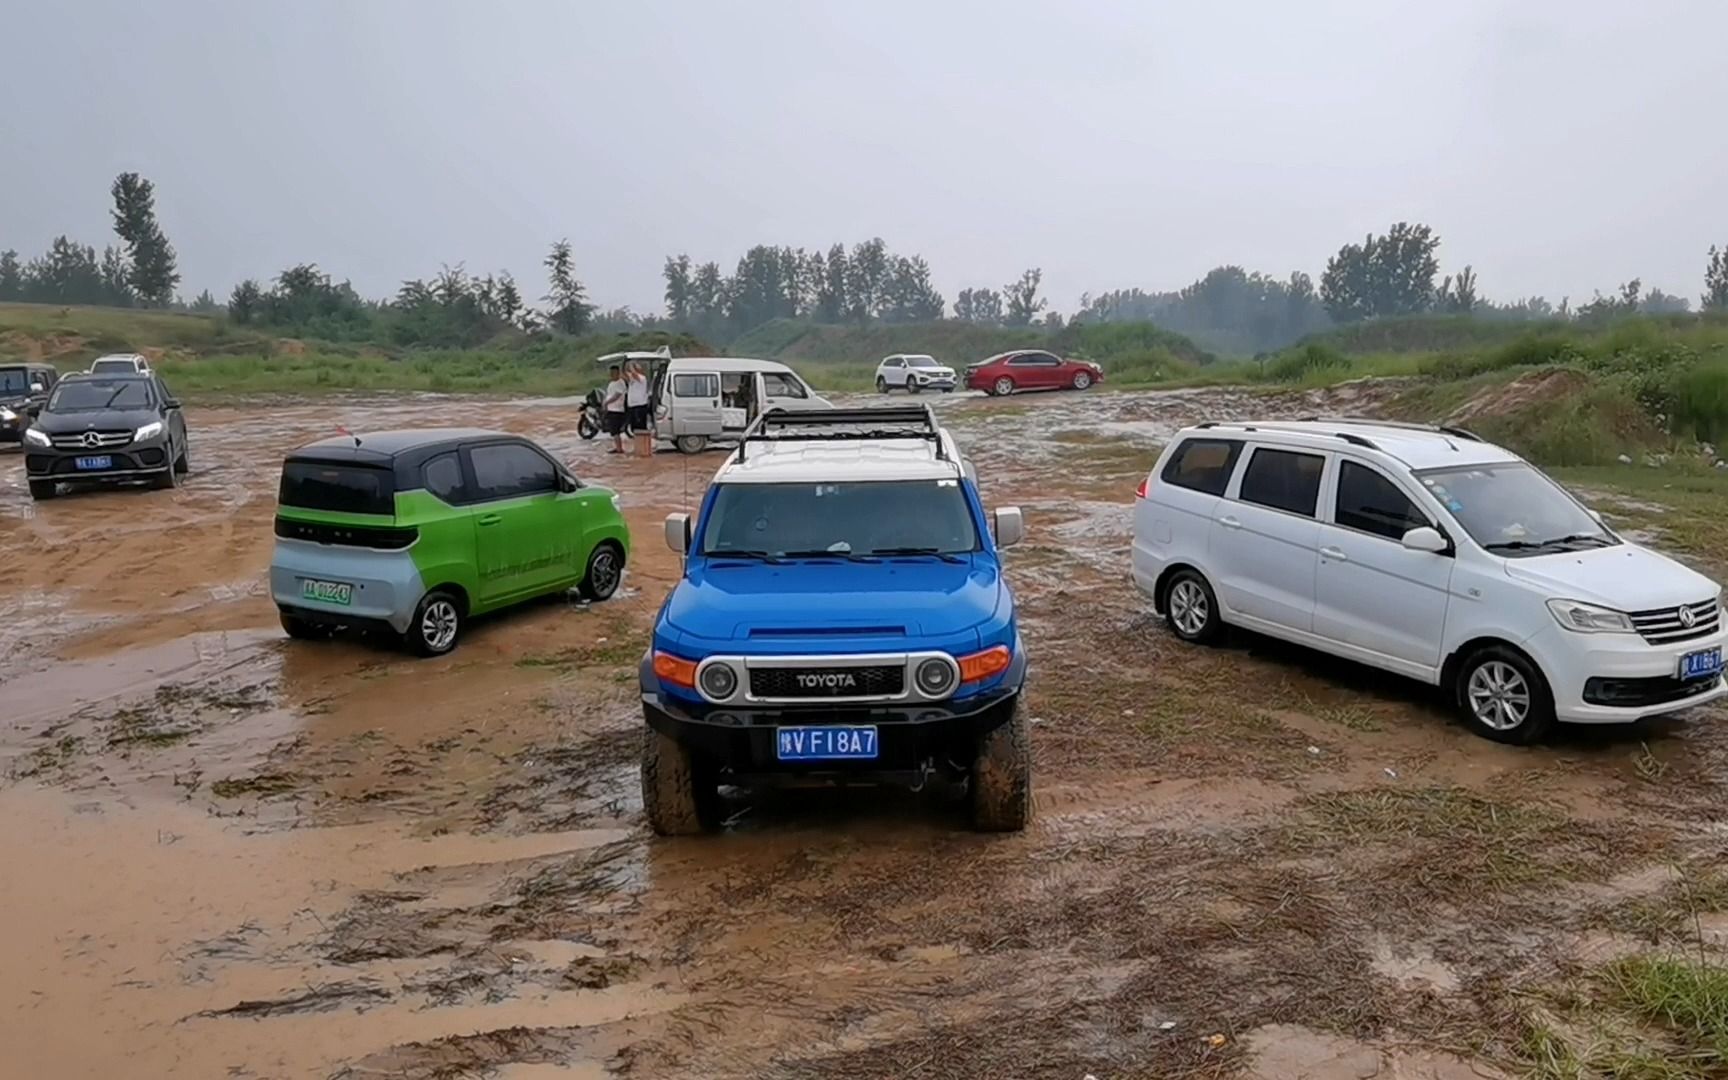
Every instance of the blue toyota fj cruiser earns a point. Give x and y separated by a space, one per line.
842 618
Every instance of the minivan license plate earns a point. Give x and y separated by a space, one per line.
93 463
1701 664
826 743
328 592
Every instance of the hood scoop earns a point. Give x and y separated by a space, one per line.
826 631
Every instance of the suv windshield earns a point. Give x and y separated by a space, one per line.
14 381
353 489
94 395
892 517
1515 510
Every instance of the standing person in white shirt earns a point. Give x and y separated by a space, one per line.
636 403
614 405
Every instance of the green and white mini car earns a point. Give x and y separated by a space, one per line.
417 531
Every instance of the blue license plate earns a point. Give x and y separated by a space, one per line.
103 462
1701 664
826 743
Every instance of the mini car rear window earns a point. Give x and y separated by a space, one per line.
1283 480
350 489
1203 465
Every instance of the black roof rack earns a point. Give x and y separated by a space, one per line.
821 425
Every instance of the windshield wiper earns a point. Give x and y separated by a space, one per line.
1580 538
850 556
1514 545
946 557
744 553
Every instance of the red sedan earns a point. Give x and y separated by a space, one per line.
1031 369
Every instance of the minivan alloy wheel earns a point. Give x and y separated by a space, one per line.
438 624
1498 695
1188 609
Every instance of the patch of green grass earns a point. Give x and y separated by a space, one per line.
1686 996
262 785
1354 717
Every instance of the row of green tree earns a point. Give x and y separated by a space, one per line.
1230 309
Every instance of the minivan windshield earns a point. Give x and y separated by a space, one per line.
1513 509
94 395
856 519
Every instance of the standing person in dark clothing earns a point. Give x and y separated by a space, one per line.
615 410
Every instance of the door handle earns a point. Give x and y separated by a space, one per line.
490 519
1229 523
1336 554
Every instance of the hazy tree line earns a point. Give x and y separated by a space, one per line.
1229 309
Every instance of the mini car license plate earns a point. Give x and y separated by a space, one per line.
329 592
103 462
826 743
1701 664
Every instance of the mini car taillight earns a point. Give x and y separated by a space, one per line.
1145 485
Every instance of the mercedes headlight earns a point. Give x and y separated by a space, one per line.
149 431
1589 618
36 438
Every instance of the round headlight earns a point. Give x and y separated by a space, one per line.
718 681
935 678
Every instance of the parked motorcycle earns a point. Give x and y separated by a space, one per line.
588 424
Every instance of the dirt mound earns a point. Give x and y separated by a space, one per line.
1522 393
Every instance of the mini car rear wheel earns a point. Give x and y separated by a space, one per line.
43 489
1504 697
881 385
304 629
605 571
679 792
1082 379
1191 608
437 624
692 444
1003 387
1002 778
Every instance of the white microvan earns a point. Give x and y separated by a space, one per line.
702 399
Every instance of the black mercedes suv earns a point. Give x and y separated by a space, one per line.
105 429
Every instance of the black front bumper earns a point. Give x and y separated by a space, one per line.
131 462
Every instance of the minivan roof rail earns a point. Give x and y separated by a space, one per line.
1272 425
817 425
1440 429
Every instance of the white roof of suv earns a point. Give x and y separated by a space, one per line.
775 450
1417 446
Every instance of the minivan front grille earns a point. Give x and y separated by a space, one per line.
384 538
92 440
816 683
1661 626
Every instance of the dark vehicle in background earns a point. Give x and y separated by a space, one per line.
106 429
1031 369
23 389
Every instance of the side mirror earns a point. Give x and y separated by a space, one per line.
38 388
172 403
1010 526
1425 539
567 483
678 532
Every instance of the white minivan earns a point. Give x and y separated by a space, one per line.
1430 553
698 400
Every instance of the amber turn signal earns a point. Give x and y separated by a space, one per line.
982 665
675 670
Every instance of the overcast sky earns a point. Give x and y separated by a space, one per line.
1559 147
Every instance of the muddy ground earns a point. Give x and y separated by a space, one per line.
225 854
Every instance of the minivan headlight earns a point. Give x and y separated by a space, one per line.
1588 618
37 438
149 431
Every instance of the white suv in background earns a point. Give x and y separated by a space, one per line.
913 372
120 364
1430 553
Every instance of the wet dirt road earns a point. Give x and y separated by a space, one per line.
229 855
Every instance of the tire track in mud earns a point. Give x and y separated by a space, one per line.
376 865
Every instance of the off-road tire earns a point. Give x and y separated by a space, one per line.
679 794
304 629
1002 778
1210 626
1002 387
43 489
1539 716
881 385
1082 380
607 583
692 444
416 637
